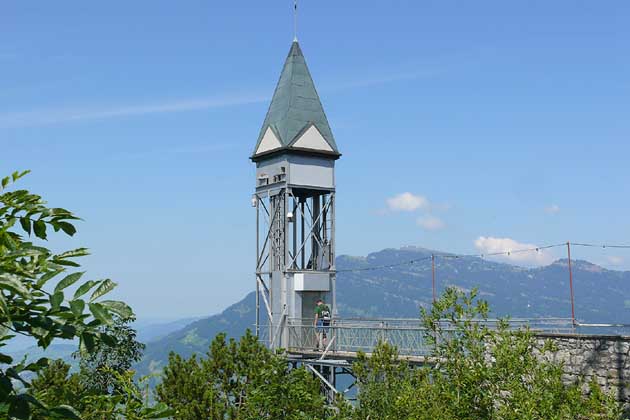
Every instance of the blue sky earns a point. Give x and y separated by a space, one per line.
506 123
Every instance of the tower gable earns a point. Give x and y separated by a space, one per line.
268 142
312 139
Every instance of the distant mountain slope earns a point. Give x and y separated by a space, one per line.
54 351
196 336
601 295
21 346
151 331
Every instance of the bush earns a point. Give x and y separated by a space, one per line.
478 373
239 380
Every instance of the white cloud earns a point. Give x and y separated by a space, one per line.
407 202
66 115
429 222
614 260
490 245
552 209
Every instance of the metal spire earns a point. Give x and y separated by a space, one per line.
295 16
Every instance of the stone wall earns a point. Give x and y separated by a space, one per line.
605 358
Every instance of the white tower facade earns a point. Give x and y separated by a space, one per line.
295 206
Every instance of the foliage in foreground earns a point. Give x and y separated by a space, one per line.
33 304
239 381
104 387
98 369
55 385
480 373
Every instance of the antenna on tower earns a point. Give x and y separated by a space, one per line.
295 17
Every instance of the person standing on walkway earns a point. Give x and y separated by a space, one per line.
322 322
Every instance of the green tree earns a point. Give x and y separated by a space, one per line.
99 367
103 388
130 401
56 386
239 381
477 372
33 293
382 378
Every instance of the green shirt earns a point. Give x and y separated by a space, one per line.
322 311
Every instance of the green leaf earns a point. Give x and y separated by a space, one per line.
5 181
68 228
65 412
13 283
77 306
19 408
79 252
58 211
39 227
159 411
69 280
49 275
108 339
4 308
26 251
42 362
87 342
105 287
17 175
101 313
6 359
26 224
84 288
56 300
119 308
67 263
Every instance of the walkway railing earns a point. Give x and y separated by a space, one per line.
347 335
351 335
407 335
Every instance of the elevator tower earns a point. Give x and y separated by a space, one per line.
295 205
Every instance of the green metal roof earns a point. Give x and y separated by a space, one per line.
295 105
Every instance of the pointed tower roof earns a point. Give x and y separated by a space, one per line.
295 120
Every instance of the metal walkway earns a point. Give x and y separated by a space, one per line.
346 337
